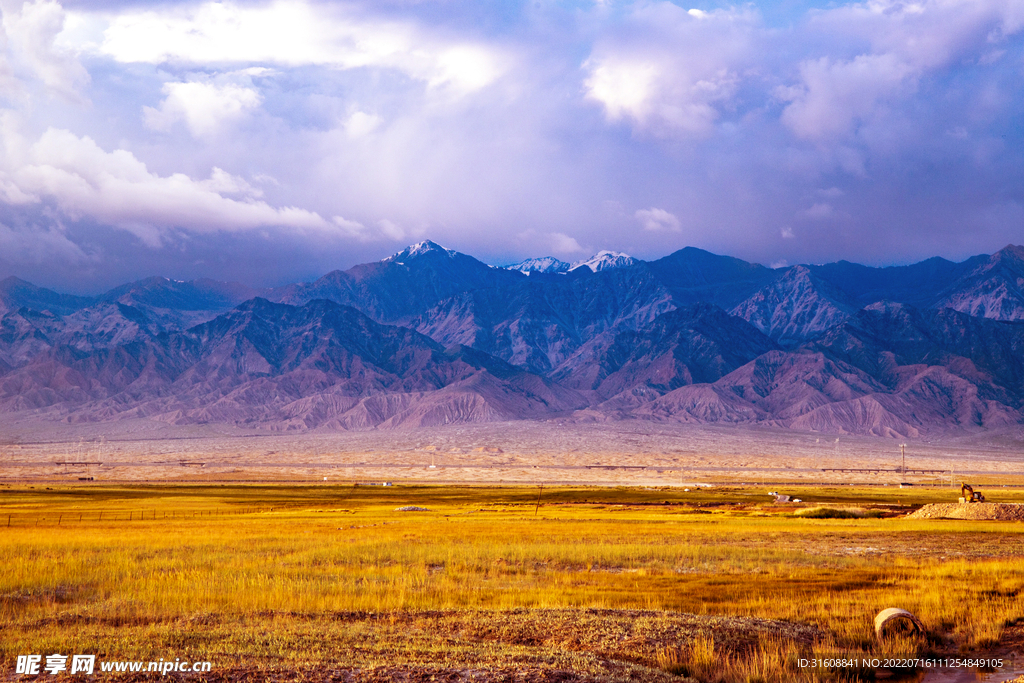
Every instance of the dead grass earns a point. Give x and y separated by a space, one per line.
593 583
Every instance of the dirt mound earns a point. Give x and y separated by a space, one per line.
1013 512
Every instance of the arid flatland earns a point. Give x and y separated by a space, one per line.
634 453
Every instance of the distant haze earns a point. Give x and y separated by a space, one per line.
272 142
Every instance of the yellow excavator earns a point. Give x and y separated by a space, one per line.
969 495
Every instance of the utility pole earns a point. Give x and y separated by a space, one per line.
903 452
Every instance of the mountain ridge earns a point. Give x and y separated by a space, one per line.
431 336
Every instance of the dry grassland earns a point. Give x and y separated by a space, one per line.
331 582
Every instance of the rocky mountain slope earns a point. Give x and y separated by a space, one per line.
281 366
431 336
994 289
796 307
890 370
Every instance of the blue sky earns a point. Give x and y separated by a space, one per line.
271 142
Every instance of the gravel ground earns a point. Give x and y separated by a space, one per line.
1013 512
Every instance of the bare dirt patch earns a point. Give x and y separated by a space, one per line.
1004 512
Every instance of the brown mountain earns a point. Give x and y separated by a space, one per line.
796 307
15 293
692 345
891 370
282 367
994 289
431 336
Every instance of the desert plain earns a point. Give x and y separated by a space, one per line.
522 452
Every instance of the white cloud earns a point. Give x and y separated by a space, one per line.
117 189
818 211
657 220
13 195
387 229
835 95
925 33
296 33
31 31
907 41
671 71
204 107
787 234
563 244
352 228
361 124
8 82
222 182
537 243
391 230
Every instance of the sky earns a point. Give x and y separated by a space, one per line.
272 142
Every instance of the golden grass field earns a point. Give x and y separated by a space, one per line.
330 582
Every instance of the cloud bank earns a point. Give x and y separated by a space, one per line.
275 141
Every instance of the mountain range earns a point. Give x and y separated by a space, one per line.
430 336
602 260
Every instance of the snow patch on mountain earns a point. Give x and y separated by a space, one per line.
544 264
602 260
605 260
417 250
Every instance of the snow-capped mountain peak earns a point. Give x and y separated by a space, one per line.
604 260
544 264
418 249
